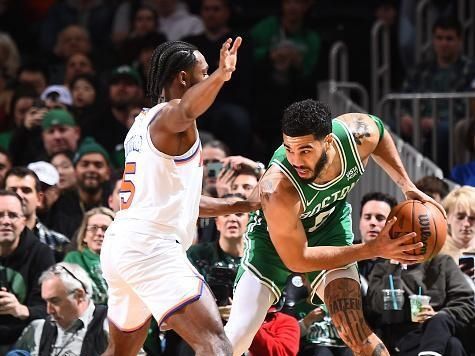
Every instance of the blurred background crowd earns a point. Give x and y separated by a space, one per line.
73 78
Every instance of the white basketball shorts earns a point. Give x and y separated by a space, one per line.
146 276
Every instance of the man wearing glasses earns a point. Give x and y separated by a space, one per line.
22 260
75 326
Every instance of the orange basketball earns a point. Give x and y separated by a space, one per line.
426 220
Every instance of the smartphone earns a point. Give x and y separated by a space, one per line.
468 263
214 168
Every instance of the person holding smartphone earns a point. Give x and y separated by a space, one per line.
460 207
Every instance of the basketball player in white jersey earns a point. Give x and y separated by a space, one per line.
143 256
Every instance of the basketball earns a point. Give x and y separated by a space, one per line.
423 218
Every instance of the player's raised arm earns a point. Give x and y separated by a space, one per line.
179 115
281 207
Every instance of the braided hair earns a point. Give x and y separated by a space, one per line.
167 60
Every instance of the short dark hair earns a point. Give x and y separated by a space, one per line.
248 171
433 184
23 172
168 59
378 196
34 67
307 117
218 144
448 23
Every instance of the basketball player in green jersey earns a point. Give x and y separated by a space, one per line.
304 224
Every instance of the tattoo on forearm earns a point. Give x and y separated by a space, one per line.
360 130
379 350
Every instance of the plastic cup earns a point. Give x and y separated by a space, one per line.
393 299
417 302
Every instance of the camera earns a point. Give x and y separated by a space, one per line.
220 279
39 104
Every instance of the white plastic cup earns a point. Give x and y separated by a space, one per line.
393 299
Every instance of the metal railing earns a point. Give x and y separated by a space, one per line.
391 107
380 62
466 16
375 179
425 18
338 62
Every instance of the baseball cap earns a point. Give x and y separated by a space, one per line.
89 145
126 72
46 172
63 93
57 117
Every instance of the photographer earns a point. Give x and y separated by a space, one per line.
218 261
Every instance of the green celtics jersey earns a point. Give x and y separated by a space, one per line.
322 203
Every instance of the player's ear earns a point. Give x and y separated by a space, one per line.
183 78
328 141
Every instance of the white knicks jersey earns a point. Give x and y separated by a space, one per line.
159 194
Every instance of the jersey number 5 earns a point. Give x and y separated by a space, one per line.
127 187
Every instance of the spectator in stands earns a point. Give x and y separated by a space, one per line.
463 172
278 336
114 199
23 259
286 52
10 61
434 187
125 90
449 71
175 21
60 132
318 335
374 211
239 175
213 154
88 243
5 164
63 162
460 207
71 40
75 325
233 103
92 167
57 97
77 64
440 324
87 103
143 34
35 75
95 15
49 179
26 184
21 102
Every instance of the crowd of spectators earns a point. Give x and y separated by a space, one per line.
72 80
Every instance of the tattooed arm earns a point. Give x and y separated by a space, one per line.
282 208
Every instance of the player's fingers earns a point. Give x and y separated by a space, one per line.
389 224
405 238
236 45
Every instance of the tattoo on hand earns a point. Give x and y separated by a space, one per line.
360 130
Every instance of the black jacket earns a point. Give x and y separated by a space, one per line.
20 272
440 278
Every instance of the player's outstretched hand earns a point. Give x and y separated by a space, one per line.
395 249
228 57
